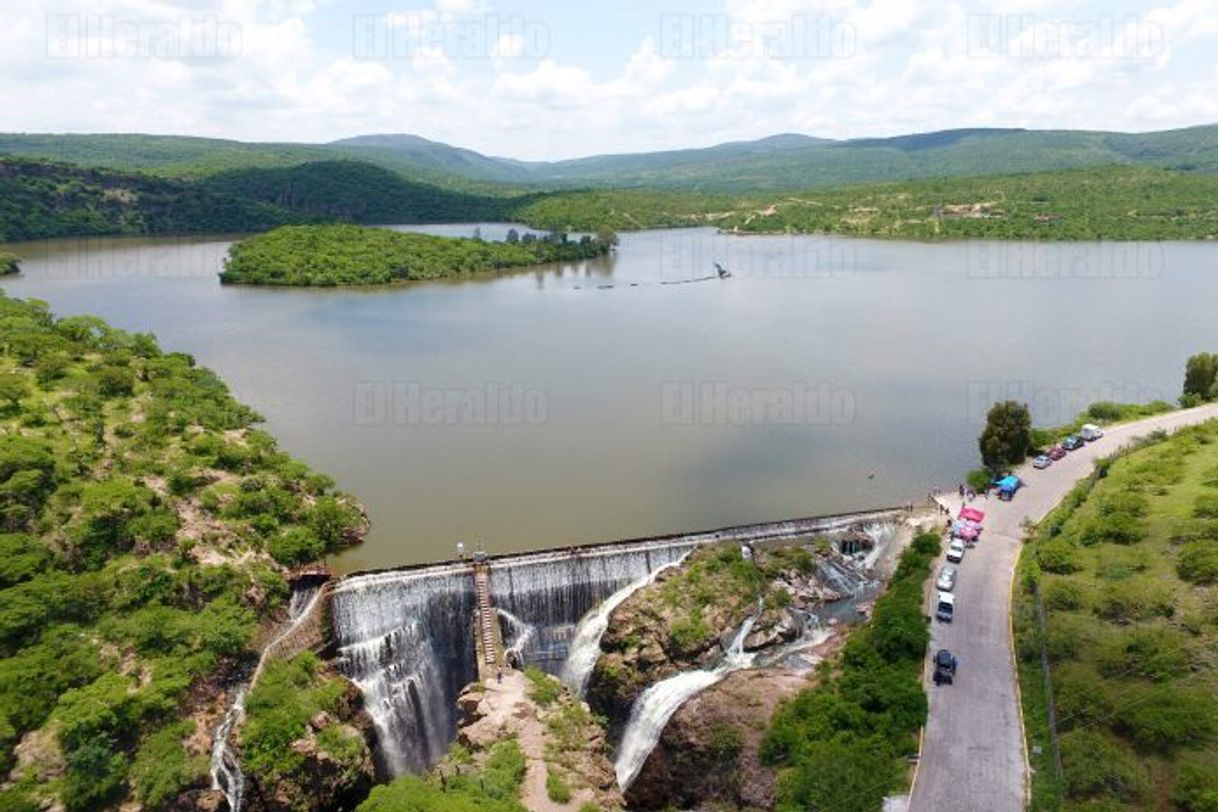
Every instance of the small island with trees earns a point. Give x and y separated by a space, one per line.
331 255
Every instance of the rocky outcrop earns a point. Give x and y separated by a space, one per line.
556 733
336 769
687 617
709 753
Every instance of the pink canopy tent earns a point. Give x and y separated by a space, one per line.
972 514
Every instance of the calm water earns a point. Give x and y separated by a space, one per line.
542 409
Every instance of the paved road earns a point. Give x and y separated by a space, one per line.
973 746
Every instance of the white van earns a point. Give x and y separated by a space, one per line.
1090 432
945 607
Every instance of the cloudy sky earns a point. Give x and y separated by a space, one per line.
562 78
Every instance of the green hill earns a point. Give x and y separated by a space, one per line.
353 191
780 162
40 200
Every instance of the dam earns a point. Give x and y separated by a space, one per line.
407 637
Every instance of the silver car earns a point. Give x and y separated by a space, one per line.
947 579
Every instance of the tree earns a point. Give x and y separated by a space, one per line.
1007 438
13 388
1200 376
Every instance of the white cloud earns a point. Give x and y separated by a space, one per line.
827 67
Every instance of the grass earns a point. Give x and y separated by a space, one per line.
1131 631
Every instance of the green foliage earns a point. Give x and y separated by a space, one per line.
162 770
557 788
412 794
1165 717
108 623
543 688
1198 561
1097 766
1007 437
1196 788
354 255
840 744
278 710
1201 376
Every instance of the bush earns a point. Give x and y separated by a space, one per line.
1163 718
1057 556
1196 788
296 545
1095 766
162 770
1206 506
979 479
543 688
1080 696
1198 562
1063 594
1113 528
1133 599
556 788
1151 653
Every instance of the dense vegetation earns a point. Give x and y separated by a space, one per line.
1109 203
9 263
298 708
139 513
354 192
842 744
1126 571
493 786
1200 379
354 255
39 200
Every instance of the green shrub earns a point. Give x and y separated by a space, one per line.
1096 766
1157 654
1058 556
1113 528
1196 788
1206 506
556 788
504 770
1198 562
1063 595
162 769
1118 563
1165 717
1080 695
543 688
1132 600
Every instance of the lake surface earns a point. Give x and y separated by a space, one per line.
544 408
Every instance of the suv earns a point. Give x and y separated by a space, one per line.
945 667
945 607
1091 432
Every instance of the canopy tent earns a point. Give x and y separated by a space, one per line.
972 514
1009 484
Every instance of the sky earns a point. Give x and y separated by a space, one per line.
549 80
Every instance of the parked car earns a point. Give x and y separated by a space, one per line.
945 667
947 578
955 551
1042 461
1056 453
945 607
1072 443
1091 432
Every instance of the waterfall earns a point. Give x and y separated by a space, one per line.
585 648
518 634
226 774
406 641
656 705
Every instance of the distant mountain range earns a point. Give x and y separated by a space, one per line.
786 161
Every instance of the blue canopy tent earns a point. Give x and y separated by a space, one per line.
1007 486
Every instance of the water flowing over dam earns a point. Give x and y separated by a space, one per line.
406 637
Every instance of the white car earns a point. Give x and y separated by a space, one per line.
947 579
955 551
1091 432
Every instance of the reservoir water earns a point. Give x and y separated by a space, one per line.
615 398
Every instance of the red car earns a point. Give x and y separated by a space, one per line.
1056 452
